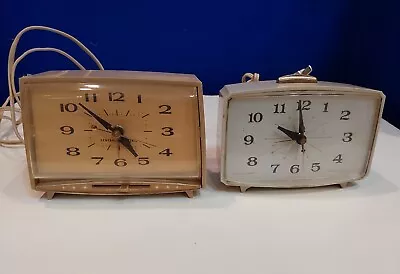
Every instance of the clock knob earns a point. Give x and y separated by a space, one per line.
301 76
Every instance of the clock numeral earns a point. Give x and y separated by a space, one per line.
274 167
338 159
143 161
99 159
304 105
166 152
345 115
316 167
73 151
294 169
165 109
70 107
67 130
325 107
168 131
279 108
89 97
116 96
252 161
120 162
255 117
347 137
139 99
248 139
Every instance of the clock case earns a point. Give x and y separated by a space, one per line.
293 84
132 186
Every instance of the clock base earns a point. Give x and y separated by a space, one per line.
244 188
50 195
85 187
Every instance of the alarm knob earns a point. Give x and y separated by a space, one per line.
301 76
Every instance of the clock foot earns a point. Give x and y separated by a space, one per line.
49 195
343 185
189 193
243 188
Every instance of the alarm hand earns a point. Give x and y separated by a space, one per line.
291 134
103 122
143 142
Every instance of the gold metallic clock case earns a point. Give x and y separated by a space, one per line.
162 116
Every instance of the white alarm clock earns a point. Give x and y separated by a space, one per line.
296 132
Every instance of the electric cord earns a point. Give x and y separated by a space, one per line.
13 98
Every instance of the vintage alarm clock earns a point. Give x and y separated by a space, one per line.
113 132
296 132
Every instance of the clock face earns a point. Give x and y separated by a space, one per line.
299 139
87 130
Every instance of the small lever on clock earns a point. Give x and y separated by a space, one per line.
301 76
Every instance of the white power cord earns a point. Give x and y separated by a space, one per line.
9 104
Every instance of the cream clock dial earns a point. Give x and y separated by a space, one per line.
297 134
114 133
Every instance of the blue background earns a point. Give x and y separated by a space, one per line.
355 42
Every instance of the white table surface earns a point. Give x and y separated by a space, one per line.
320 230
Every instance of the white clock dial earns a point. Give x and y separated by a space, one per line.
334 148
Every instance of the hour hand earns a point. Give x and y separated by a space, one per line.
291 134
103 122
127 144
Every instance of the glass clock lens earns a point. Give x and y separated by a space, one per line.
283 139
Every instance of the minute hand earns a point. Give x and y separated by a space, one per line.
103 122
302 128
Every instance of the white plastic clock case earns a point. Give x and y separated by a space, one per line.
262 89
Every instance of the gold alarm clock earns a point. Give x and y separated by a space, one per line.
296 132
113 132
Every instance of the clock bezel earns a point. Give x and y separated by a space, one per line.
256 89
113 185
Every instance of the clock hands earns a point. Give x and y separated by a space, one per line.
131 139
143 142
302 138
299 137
302 128
103 122
291 134
116 131
127 144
